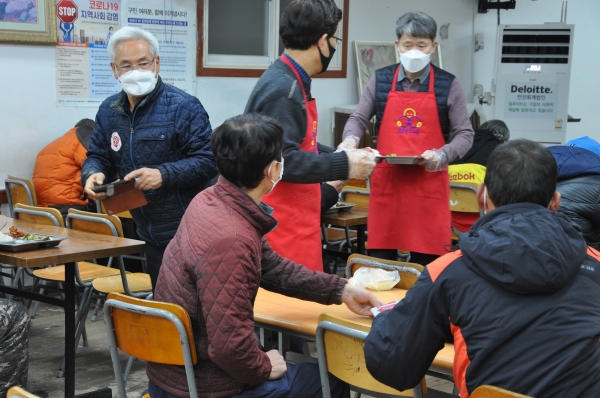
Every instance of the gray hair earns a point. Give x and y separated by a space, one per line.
498 128
416 24
129 33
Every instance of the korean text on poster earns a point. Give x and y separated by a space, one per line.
84 28
531 100
173 24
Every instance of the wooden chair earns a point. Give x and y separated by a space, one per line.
409 272
42 216
85 272
38 215
357 195
463 199
345 237
152 331
486 391
340 348
137 284
127 215
19 190
18 392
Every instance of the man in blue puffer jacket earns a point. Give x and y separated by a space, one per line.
579 186
153 133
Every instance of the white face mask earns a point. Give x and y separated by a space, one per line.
414 60
280 173
138 82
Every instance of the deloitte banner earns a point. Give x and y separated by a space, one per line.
527 100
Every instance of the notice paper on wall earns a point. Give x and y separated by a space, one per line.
84 28
531 100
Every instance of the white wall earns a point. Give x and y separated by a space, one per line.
370 20
30 118
585 87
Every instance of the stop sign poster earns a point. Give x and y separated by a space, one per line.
84 28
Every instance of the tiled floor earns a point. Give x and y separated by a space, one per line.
93 364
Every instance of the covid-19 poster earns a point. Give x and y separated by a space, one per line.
85 27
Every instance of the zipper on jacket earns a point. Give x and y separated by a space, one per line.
131 132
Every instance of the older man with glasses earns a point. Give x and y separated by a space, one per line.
153 133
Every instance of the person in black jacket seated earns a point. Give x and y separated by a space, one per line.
471 167
579 186
520 299
487 137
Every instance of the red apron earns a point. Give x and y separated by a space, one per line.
298 206
409 206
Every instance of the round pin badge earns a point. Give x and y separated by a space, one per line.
115 142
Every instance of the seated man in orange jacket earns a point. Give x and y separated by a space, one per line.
57 170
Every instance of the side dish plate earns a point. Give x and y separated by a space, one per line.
20 245
340 206
398 159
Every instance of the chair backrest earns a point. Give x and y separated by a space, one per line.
18 392
104 224
340 347
38 215
463 198
409 272
19 190
357 182
486 391
152 331
357 195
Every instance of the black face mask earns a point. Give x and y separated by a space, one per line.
326 60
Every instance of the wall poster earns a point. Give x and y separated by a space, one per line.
84 28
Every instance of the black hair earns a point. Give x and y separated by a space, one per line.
498 128
305 21
521 171
244 145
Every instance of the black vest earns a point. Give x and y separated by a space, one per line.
443 82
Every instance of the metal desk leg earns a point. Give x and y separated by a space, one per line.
69 330
360 238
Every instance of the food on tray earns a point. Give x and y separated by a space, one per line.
15 233
35 237
391 154
5 238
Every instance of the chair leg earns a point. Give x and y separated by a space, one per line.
37 303
15 282
127 369
99 304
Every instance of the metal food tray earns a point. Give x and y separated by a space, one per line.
398 159
20 245
340 206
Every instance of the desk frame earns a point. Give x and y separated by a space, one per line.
357 217
106 246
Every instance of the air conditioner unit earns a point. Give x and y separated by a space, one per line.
533 72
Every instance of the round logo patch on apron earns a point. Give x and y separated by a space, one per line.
115 142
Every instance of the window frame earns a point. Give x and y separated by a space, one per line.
246 72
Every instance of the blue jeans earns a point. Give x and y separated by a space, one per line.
299 381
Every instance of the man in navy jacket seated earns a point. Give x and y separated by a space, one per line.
520 299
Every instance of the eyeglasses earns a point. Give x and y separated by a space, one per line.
140 65
337 40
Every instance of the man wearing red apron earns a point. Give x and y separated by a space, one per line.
283 92
421 111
